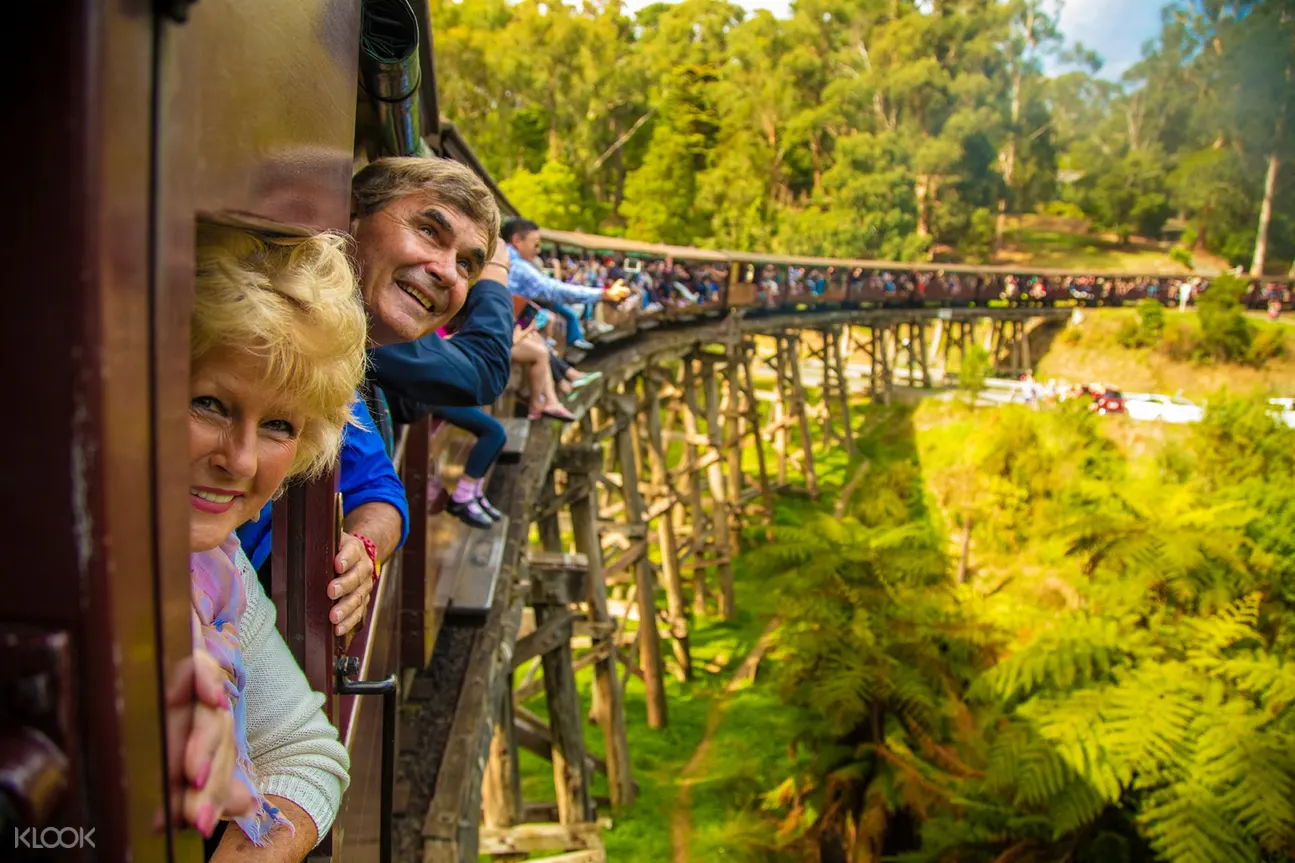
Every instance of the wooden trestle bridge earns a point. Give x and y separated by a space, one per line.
520 617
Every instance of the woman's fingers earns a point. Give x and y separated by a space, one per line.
209 766
209 681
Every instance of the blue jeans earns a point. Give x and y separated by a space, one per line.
490 433
574 331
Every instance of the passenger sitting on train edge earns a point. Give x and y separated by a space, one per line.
525 280
425 230
277 347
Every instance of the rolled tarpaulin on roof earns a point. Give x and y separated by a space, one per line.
391 74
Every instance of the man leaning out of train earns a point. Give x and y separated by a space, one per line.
278 339
423 232
425 240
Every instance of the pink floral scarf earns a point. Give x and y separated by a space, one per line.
216 586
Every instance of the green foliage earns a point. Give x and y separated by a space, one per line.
1267 344
1182 254
1225 332
1128 195
873 130
977 242
973 371
1147 330
1064 210
553 196
1114 680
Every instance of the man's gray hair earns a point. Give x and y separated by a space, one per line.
382 181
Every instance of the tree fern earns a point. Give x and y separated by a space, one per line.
1085 649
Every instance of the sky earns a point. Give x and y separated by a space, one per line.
1115 29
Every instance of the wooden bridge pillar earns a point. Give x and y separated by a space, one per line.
609 703
733 416
754 424
835 390
781 413
698 520
720 515
649 640
875 348
664 493
912 344
570 773
501 785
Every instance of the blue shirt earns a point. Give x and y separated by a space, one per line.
525 280
366 476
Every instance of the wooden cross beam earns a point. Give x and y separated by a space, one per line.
556 578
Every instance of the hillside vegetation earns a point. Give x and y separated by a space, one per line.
1042 241
1026 642
1027 636
889 130
1150 349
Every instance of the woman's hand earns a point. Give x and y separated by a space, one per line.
352 587
520 335
201 726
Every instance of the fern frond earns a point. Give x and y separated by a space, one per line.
1085 649
1184 825
1075 807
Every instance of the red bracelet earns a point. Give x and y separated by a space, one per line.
373 553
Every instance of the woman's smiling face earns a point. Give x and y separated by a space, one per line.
242 442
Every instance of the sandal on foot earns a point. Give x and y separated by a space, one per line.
585 380
559 413
470 514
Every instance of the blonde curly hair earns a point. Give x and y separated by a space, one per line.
293 303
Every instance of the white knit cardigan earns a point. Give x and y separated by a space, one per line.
293 745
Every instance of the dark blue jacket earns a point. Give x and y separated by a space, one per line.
468 370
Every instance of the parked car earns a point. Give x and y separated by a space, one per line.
1284 410
1108 402
1170 409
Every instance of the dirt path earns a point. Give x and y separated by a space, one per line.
681 817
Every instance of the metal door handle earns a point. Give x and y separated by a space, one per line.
389 689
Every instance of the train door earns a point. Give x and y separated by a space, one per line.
269 91
95 619
147 114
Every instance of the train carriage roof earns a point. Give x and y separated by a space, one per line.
597 243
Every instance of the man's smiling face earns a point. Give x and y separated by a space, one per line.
417 257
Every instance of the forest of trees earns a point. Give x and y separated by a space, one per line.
879 128
1029 642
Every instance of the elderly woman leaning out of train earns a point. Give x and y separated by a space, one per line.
277 352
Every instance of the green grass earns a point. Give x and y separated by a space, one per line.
1031 244
751 749
748 753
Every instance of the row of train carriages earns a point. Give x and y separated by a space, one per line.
684 282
